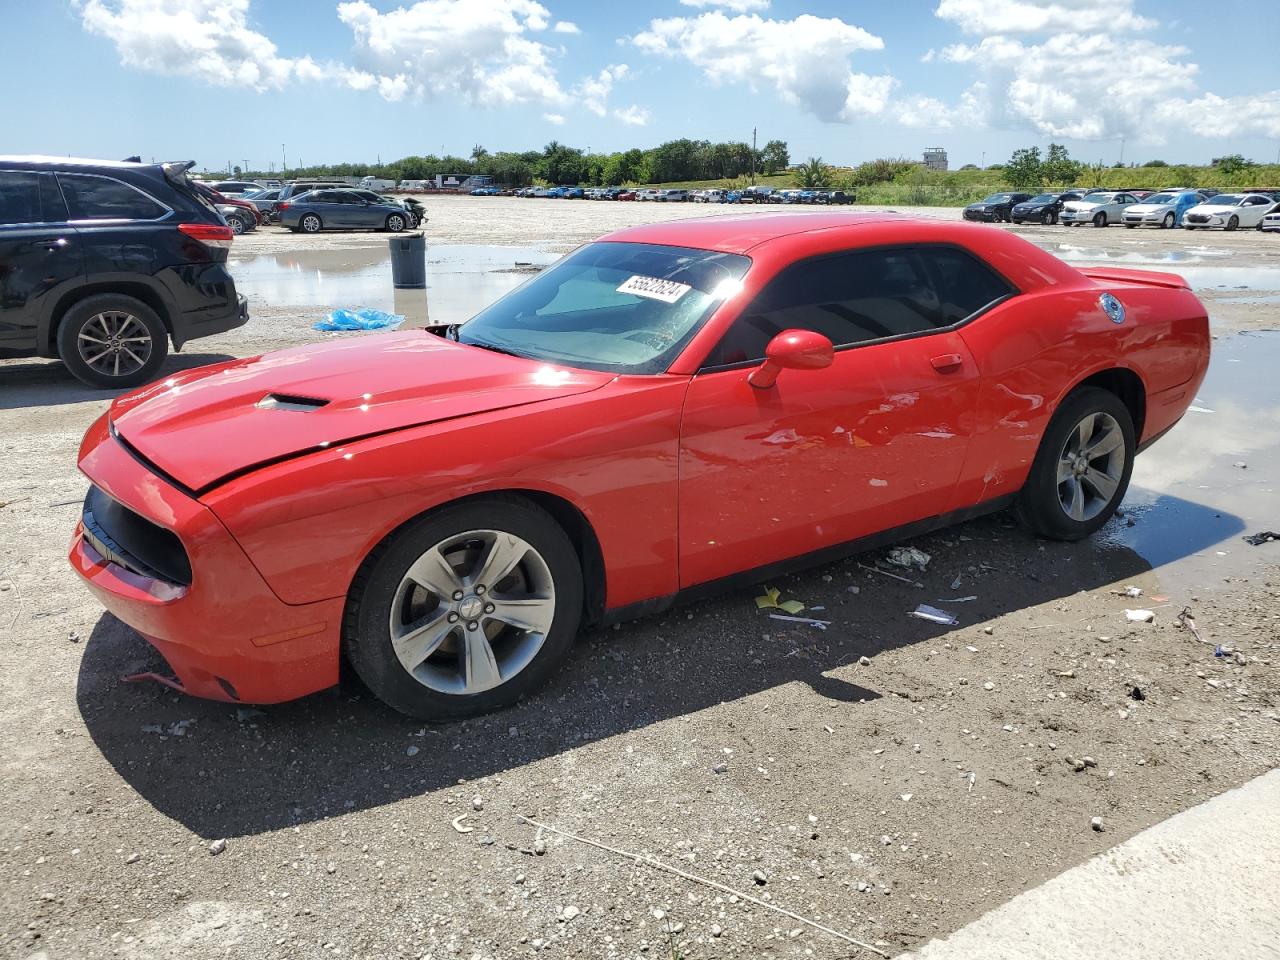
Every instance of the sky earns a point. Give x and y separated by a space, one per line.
258 83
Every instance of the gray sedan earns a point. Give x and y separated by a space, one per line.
340 210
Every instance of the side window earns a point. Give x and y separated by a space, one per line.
963 283
849 298
98 198
19 197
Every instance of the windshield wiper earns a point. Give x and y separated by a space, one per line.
492 347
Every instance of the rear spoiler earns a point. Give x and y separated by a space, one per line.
175 171
1149 278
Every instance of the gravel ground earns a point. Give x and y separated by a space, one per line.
888 778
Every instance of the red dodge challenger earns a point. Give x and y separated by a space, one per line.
665 411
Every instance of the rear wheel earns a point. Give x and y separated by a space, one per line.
112 341
1081 471
466 610
310 223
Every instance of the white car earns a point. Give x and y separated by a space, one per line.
1101 208
1164 209
1271 222
1228 211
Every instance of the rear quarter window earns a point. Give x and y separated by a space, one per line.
100 198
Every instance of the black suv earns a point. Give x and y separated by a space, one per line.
102 263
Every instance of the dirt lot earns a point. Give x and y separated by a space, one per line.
892 799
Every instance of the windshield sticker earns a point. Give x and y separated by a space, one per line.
668 291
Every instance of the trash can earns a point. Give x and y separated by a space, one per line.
408 261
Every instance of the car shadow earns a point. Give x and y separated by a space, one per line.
37 382
225 771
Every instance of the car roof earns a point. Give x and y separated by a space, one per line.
738 234
71 163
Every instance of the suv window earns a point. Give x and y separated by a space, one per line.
27 197
854 298
100 198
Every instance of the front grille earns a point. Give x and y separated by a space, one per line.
1197 218
134 542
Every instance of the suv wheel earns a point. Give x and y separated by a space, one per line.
310 223
112 341
395 223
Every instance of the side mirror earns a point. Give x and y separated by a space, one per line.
792 350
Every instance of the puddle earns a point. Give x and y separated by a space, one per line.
1189 501
460 279
1197 265
1252 298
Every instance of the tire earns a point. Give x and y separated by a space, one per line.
310 223
1100 220
1233 223
1050 506
1048 217
437 689
237 225
395 222
1130 226
88 329
1167 222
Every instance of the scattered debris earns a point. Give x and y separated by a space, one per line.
248 713
1258 539
411 751
458 825
216 847
569 912
959 600
659 865
955 584
133 858
926 612
1128 592
1186 620
477 803
988 686
769 601
1137 694
1241 464
864 661
820 624
1096 824
909 557
361 318
9 503
886 573
1140 616
760 878
720 767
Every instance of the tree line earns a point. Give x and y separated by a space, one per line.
558 163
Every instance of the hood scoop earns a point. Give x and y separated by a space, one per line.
286 401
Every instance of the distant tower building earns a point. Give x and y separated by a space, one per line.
935 158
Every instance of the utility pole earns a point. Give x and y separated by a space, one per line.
983 164
1122 151
753 156
284 161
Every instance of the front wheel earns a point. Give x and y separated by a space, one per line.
465 610
1233 223
112 341
237 225
1167 222
1081 471
1048 218
395 223
1100 220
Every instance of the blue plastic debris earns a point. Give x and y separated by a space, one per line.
362 318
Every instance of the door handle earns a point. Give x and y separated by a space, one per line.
53 244
947 362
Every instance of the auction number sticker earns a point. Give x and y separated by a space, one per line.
668 291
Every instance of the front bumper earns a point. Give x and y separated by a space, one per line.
226 635
981 216
1077 216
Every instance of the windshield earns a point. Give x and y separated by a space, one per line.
621 307
1224 200
1097 198
998 198
1160 198
1043 198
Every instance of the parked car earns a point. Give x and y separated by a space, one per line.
416 211
710 196
485 192
1229 211
443 512
787 196
237 218
732 196
1164 210
1042 208
340 210
296 188
647 194
837 198
573 193
234 188
997 207
626 195
263 200
102 263
377 184
1101 208
1270 223
673 195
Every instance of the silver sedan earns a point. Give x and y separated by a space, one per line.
341 210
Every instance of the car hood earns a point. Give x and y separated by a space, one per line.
1218 209
203 426
1081 205
1149 207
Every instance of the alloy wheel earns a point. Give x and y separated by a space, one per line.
114 343
472 612
1090 466
1167 223
311 223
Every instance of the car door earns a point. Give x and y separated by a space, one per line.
1253 208
41 256
1115 209
872 442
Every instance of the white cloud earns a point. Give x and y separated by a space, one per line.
737 6
634 115
554 118
480 52
566 26
1211 115
1029 16
593 92
807 60
210 40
